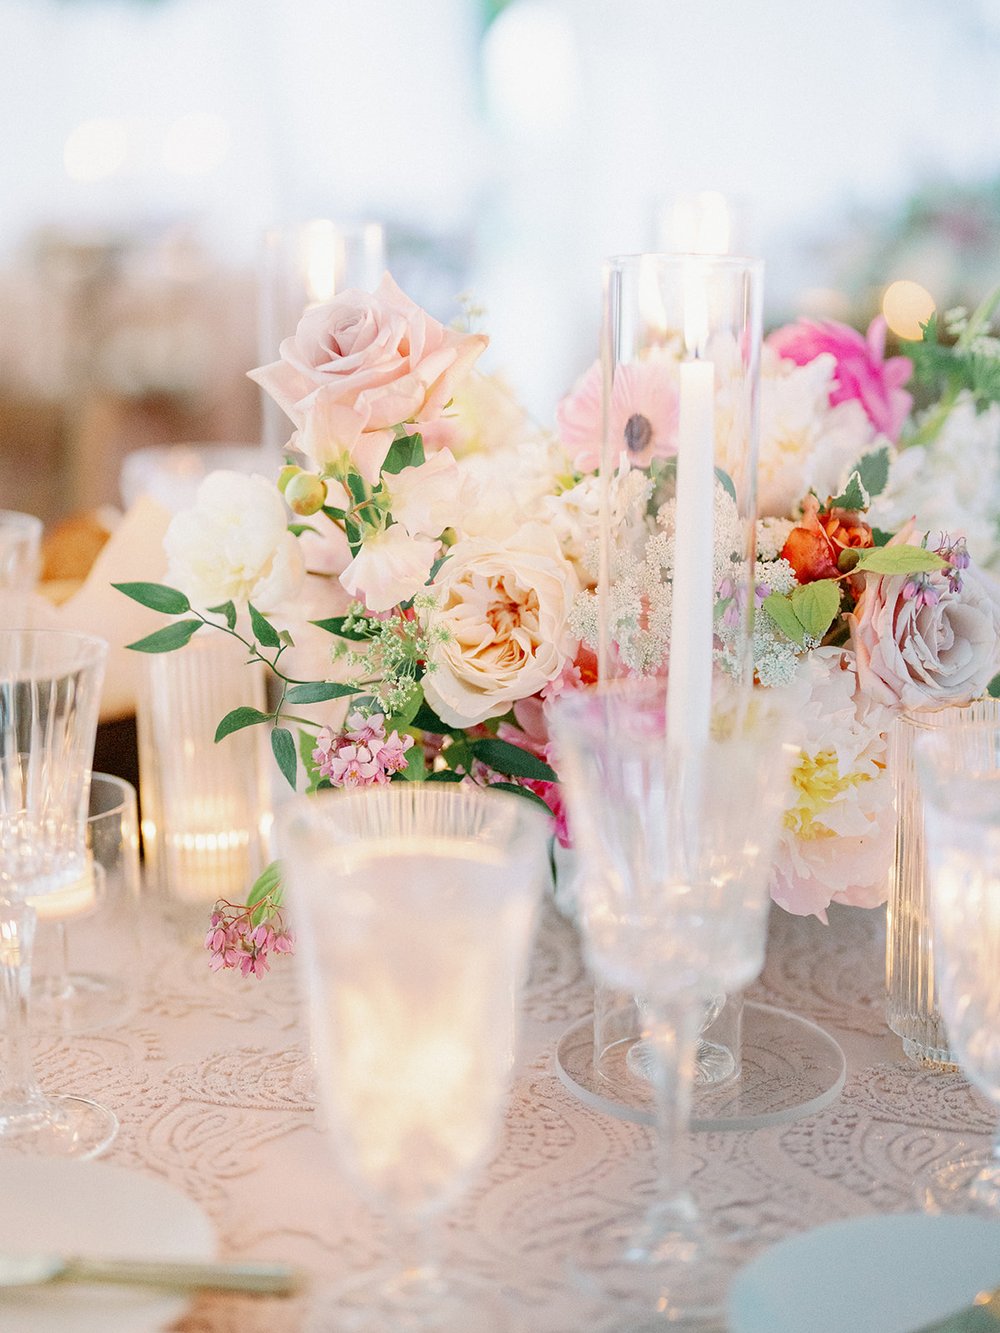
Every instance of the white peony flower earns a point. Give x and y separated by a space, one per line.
505 490
805 444
836 844
499 624
390 567
234 545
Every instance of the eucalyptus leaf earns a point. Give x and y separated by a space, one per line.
512 761
157 596
239 718
317 692
167 639
283 748
264 631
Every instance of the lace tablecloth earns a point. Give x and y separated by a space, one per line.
213 1086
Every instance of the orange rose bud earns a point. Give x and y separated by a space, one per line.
809 553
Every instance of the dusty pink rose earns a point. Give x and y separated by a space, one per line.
643 414
374 359
927 641
863 373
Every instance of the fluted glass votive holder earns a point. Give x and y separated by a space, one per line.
206 807
912 1009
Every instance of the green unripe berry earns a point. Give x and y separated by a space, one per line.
286 474
305 494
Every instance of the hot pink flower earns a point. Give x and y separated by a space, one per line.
863 372
643 415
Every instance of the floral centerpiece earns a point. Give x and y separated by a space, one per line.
420 578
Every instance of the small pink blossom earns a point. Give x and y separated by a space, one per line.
362 755
863 373
234 942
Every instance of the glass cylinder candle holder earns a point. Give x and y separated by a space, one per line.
912 1008
302 265
676 590
206 807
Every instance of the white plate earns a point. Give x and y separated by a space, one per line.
885 1274
94 1209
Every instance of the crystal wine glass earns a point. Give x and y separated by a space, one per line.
960 781
677 845
50 684
414 905
87 944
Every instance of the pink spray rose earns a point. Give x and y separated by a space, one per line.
863 373
374 359
924 641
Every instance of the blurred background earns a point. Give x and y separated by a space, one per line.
506 147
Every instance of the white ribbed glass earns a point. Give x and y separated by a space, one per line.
206 810
913 1011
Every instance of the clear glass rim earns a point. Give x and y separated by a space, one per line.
684 258
84 649
124 801
316 810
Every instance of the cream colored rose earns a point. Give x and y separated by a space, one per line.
501 612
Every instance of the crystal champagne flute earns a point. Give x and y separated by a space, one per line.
50 684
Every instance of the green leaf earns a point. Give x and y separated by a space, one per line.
854 496
403 716
267 884
407 451
993 688
874 471
357 634
815 605
425 719
512 761
228 610
283 747
354 532
167 639
264 631
356 485
726 482
781 611
297 529
415 769
880 537
445 775
317 692
524 792
239 718
157 596
900 560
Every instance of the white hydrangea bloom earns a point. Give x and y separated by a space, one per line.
951 485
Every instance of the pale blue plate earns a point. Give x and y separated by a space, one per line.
883 1274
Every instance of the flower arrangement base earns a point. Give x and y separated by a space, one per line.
790 1069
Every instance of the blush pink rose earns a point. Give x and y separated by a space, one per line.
374 359
863 373
921 653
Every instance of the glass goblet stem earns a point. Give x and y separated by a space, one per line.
17 936
673 1034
